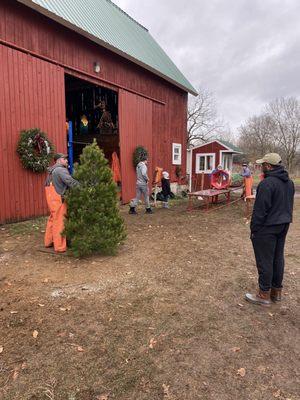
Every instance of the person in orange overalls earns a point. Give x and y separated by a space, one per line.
248 180
57 182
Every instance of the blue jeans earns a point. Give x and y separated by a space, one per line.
141 190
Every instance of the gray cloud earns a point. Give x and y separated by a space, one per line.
247 52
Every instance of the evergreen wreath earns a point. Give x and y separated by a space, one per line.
35 150
139 154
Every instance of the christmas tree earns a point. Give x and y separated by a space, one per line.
93 223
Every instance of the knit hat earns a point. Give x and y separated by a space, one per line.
57 156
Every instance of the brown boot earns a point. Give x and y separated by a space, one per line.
276 294
262 298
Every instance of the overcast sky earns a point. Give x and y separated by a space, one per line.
247 52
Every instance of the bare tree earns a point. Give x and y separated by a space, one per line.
225 133
276 130
202 118
285 113
257 136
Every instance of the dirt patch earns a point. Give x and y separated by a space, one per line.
165 319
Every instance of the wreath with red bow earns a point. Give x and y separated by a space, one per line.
35 150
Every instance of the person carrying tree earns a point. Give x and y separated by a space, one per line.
56 185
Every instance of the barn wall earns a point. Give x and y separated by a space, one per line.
169 126
213 147
32 95
135 129
28 29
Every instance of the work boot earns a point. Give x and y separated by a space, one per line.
132 211
276 294
262 298
149 211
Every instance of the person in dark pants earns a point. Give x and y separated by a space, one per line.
142 189
272 215
165 189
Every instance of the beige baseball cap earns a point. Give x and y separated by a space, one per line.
270 158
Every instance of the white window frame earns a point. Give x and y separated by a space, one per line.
222 157
206 171
179 147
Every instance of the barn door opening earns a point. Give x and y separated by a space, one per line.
91 112
135 116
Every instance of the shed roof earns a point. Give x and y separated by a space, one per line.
229 146
108 25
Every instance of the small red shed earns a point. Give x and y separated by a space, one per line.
203 159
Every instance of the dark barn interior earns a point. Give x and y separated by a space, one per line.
93 111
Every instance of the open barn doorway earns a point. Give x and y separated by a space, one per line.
91 112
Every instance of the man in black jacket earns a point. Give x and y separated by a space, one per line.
272 215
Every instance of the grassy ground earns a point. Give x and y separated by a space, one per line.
164 319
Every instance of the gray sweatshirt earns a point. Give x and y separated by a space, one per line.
141 174
61 178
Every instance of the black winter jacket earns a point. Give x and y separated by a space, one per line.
274 200
165 187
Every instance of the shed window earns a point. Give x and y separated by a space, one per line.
205 163
176 154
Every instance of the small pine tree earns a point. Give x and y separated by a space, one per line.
93 223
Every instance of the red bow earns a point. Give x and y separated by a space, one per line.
39 142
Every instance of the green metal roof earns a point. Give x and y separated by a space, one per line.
106 24
230 146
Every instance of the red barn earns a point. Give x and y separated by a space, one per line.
67 61
203 159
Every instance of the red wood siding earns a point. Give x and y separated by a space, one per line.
32 95
213 147
177 132
169 126
160 138
135 129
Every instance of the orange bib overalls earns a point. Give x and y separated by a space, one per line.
248 183
55 223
